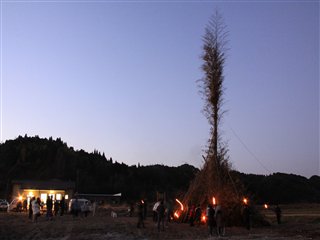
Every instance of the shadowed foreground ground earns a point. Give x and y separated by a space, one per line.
298 224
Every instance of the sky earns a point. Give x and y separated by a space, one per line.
121 77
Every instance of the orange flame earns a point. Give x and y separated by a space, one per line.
265 206
245 201
203 218
214 200
176 214
177 200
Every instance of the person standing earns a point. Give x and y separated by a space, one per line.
30 207
62 206
197 216
56 207
140 215
145 209
25 205
247 216
219 220
75 207
35 209
94 207
192 215
49 204
160 211
278 213
210 216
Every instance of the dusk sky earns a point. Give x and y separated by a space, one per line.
121 77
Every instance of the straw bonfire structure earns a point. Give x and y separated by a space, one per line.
214 179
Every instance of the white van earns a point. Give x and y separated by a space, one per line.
84 205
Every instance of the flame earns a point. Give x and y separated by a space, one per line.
176 214
265 206
203 218
245 201
177 200
214 200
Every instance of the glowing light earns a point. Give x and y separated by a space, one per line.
265 206
43 197
20 198
245 201
214 200
142 201
66 197
177 200
176 215
30 194
58 196
203 218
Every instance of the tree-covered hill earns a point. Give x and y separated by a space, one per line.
35 158
281 188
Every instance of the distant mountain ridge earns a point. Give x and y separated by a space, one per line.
36 158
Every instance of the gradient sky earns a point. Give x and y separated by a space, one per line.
120 77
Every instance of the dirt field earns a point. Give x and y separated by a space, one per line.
299 222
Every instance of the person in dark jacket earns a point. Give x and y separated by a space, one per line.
140 214
62 206
161 210
30 207
247 216
210 217
49 204
197 216
278 214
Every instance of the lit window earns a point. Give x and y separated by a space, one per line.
43 197
58 196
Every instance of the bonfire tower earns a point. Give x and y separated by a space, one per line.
214 179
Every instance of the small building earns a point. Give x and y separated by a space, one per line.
26 189
105 198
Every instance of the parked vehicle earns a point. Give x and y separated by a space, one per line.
4 205
85 205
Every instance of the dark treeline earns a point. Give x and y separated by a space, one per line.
35 158
281 188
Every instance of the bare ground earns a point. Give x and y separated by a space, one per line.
298 223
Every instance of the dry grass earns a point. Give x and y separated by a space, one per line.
300 222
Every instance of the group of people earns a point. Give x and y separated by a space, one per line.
53 208
161 214
214 218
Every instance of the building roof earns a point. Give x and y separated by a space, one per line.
45 185
99 195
